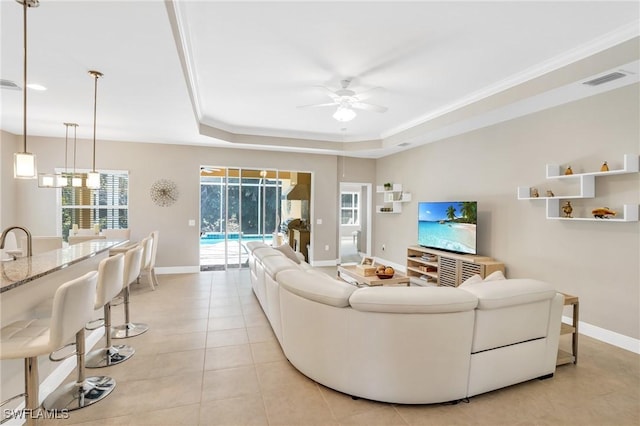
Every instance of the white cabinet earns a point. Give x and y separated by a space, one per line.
586 189
392 198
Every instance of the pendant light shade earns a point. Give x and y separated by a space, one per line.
24 163
93 177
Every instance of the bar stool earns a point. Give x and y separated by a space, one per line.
85 391
132 265
147 257
72 308
110 279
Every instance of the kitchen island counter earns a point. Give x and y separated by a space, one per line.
26 269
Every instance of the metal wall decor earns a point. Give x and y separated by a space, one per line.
164 192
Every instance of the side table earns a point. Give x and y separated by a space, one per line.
563 356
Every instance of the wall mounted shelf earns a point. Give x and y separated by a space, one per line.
392 198
586 185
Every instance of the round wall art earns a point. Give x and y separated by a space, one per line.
164 192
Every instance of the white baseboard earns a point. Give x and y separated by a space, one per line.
60 373
168 270
607 336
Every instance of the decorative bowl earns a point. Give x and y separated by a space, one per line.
384 276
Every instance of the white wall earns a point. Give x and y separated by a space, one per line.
597 261
147 163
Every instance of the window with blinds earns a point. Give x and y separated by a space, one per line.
107 206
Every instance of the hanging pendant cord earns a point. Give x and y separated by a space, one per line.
66 144
74 149
95 108
24 78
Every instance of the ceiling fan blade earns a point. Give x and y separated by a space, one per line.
368 107
366 94
329 92
318 105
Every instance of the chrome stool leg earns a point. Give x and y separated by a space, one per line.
110 354
32 390
128 329
83 392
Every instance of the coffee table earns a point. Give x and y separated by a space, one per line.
349 273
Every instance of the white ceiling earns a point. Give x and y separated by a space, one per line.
233 73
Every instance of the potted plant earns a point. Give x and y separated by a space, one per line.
388 186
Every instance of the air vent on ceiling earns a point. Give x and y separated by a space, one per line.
404 144
605 79
8 84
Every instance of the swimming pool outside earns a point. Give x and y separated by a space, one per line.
214 256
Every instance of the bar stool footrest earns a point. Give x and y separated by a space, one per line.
128 330
105 357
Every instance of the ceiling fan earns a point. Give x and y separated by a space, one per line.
347 102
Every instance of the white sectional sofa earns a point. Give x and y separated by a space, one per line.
410 345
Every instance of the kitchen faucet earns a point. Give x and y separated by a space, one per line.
26 231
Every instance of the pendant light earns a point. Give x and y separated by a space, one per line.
76 180
93 177
24 163
56 180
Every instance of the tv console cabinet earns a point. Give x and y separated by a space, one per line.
437 267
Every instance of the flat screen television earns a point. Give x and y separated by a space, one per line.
448 225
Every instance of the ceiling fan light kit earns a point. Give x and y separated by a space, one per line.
344 114
347 102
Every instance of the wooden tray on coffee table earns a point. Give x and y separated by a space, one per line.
350 274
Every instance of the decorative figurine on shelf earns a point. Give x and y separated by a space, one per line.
605 167
567 209
568 171
534 193
550 193
602 213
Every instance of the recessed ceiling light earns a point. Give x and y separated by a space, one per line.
36 86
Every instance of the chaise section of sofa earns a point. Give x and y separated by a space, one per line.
516 333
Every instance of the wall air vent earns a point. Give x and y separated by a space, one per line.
8 84
605 79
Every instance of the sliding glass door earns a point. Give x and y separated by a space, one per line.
236 206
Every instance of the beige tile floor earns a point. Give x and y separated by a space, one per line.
210 358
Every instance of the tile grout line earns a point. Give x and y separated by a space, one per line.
204 359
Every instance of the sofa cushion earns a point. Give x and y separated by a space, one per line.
305 266
474 279
495 276
252 245
288 251
501 293
274 264
317 287
262 252
412 300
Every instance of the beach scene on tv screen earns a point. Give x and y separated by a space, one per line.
448 225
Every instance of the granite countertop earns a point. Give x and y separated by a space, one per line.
26 269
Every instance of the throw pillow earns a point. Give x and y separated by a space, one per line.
471 280
495 276
288 251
